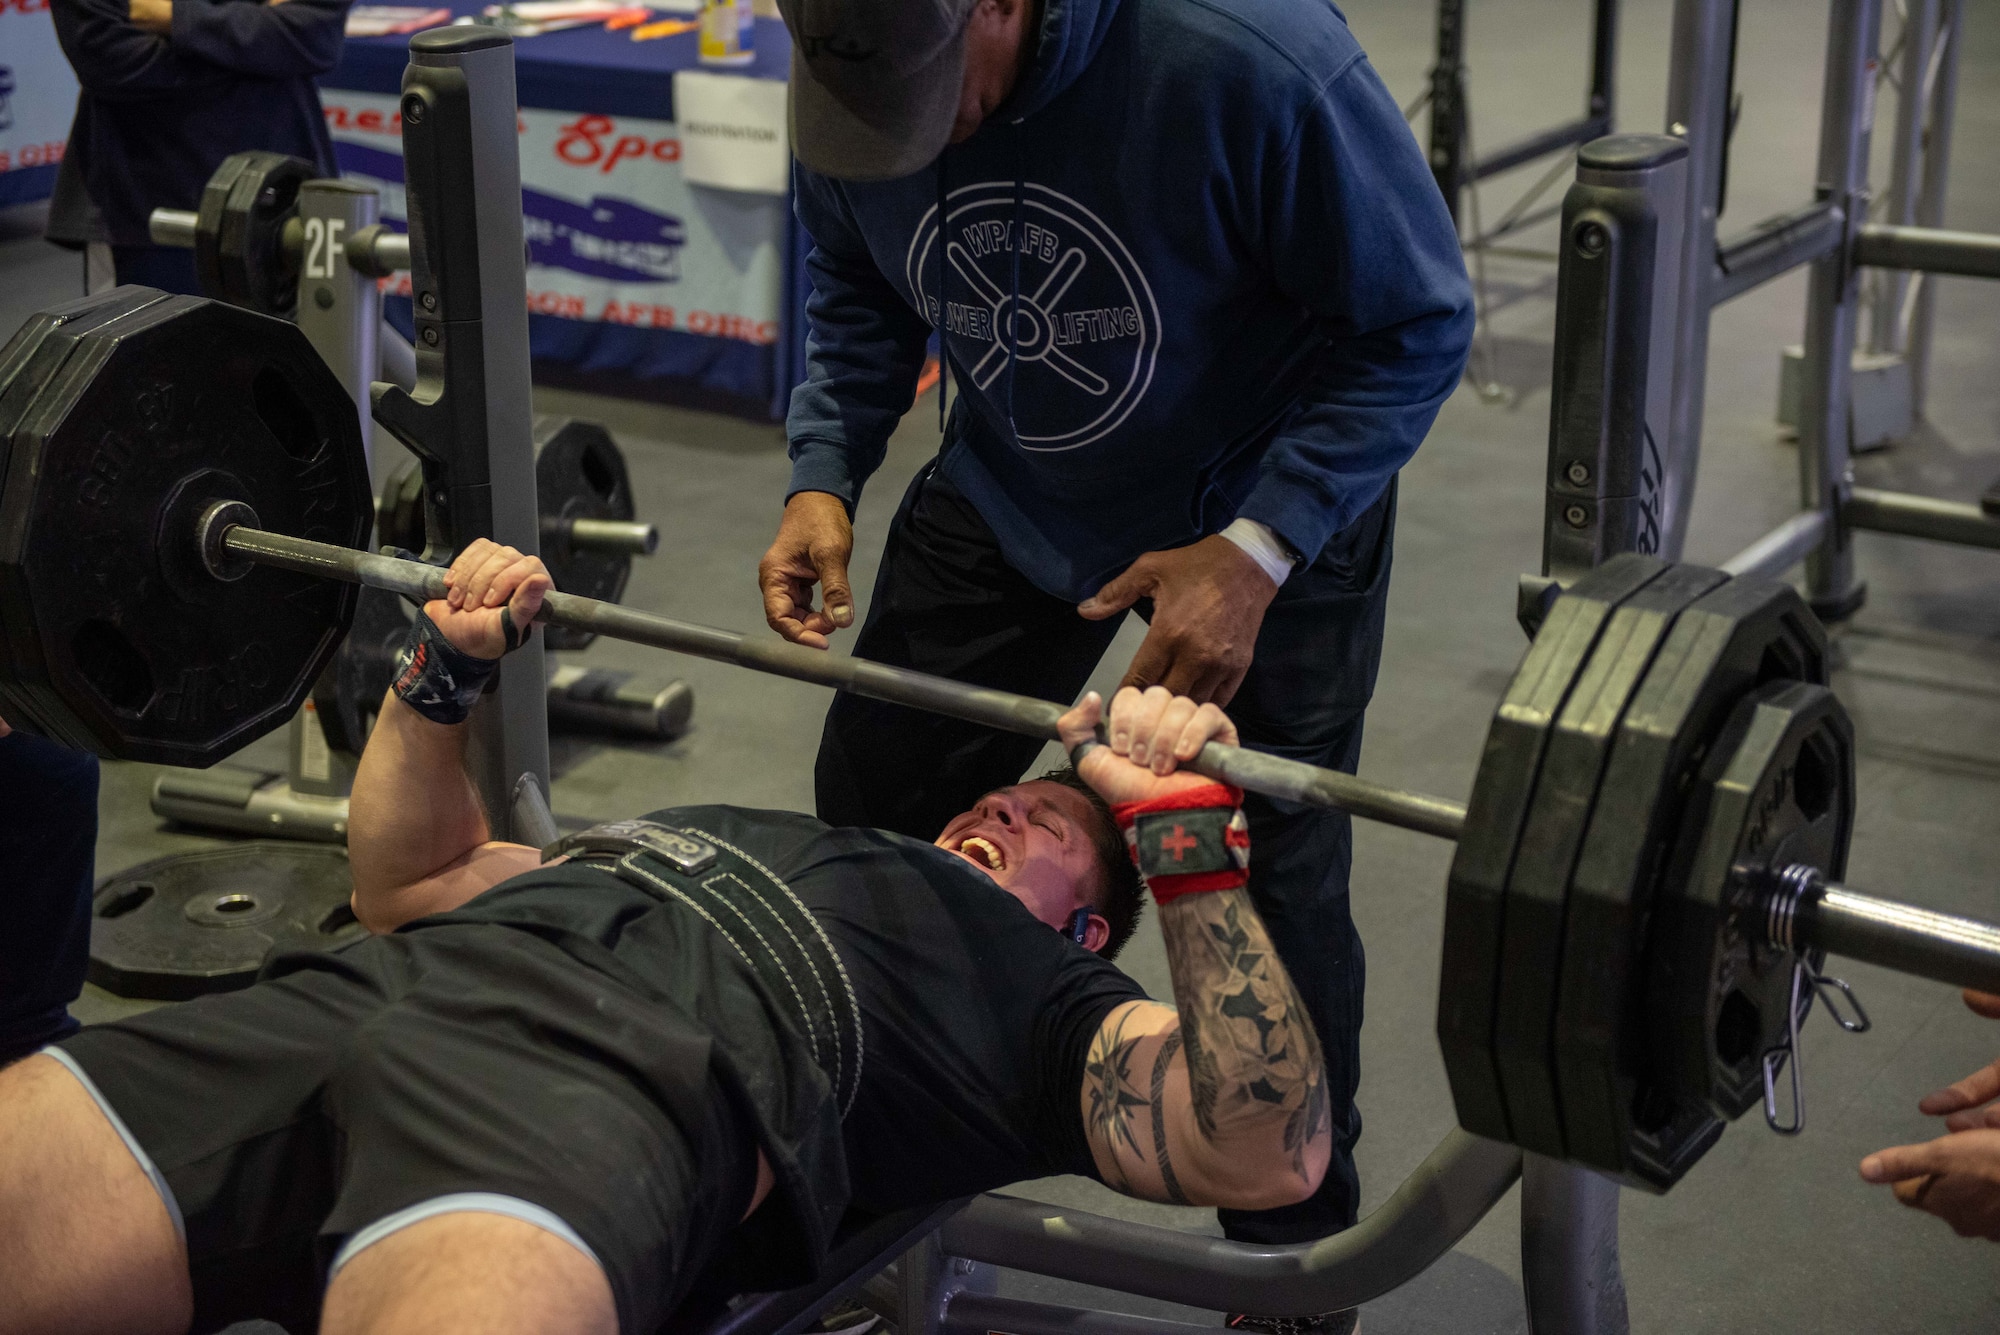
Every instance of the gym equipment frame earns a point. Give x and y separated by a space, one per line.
1451 147
1642 270
69 386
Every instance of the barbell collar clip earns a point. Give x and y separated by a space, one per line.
1805 911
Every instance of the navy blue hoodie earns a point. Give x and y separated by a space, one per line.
1235 290
157 115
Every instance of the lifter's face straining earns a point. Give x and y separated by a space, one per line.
1034 839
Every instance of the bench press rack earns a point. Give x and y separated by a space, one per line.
1569 1213
944 1284
271 237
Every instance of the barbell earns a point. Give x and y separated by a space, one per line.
1647 873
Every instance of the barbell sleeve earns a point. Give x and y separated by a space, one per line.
1808 912
615 537
378 251
172 227
224 534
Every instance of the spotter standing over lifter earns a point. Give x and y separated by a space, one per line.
1201 300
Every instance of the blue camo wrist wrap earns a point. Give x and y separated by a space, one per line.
437 678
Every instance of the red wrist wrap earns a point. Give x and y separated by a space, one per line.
1188 842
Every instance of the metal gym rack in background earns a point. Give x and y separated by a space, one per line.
1459 170
1642 271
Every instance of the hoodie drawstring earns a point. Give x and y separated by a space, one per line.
1014 285
944 345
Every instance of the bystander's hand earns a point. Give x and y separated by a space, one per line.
1956 1176
154 16
1209 600
814 544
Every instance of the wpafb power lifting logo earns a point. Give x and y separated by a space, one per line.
1085 326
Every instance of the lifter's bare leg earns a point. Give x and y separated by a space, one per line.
475 1274
86 1245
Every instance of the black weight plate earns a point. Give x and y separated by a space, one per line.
209 209
195 923
1777 789
121 642
1558 814
580 473
35 352
351 689
1616 1118
1476 894
399 519
239 231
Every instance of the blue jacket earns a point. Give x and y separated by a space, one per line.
1236 290
157 115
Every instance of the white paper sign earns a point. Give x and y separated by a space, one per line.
732 130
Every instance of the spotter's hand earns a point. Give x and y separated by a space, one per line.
485 578
814 544
1151 734
1209 600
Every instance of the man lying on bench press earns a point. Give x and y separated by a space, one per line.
551 1094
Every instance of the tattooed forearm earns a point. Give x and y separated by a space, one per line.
1251 1050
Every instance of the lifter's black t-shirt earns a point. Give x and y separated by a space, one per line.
976 1017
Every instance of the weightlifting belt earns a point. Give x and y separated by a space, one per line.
757 914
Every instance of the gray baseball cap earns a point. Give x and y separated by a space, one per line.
875 83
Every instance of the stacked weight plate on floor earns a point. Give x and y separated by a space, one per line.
240 251
580 473
115 638
1599 879
194 923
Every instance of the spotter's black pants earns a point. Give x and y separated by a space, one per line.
947 602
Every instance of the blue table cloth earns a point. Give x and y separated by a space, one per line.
639 283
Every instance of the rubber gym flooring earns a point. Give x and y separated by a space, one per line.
1766 1234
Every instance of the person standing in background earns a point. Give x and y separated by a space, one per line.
169 89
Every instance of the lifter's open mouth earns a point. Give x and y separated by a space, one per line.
978 848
